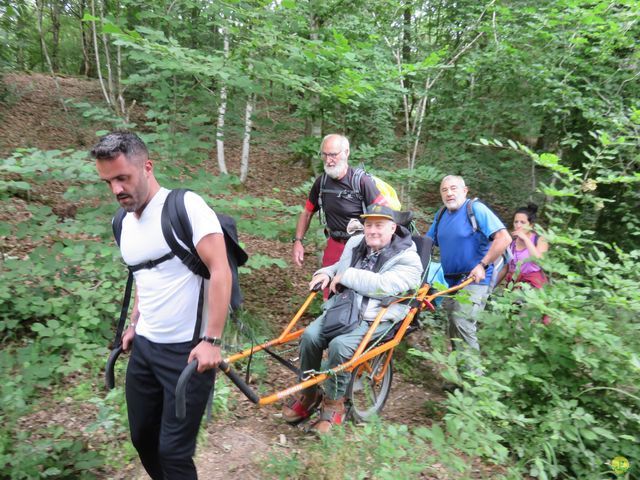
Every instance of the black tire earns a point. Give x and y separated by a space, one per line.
365 396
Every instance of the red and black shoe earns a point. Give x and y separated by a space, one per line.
333 413
301 408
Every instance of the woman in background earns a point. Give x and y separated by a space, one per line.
526 246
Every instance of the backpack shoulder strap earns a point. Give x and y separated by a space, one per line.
323 182
116 224
356 179
356 184
322 216
437 219
471 214
176 226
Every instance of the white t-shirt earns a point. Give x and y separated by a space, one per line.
167 293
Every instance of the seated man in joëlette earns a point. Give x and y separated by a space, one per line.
381 263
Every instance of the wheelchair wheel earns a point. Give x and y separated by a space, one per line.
369 388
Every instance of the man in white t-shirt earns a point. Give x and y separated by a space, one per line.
161 335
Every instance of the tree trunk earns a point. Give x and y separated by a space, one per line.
222 110
45 54
406 44
54 8
121 101
97 53
87 64
107 61
244 159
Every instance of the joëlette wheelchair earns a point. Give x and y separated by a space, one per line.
371 365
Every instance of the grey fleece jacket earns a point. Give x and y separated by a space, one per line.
400 273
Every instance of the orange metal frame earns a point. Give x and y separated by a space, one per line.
360 357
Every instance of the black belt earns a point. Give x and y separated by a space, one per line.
455 278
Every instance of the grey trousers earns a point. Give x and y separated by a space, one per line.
462 327
340 349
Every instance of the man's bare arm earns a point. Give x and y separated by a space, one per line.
301 229
212 251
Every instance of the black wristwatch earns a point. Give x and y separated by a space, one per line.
484 265
297 239
215 341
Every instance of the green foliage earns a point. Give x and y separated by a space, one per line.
21 42
371 451
98 114
57 304
221 396
263 217
305 148
28 165
561 399
50 456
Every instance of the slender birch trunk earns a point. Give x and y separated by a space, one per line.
244 159
107 61
121 100
97 53
222 110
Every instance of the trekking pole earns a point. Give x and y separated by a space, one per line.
185 376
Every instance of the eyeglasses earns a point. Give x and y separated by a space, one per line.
330 154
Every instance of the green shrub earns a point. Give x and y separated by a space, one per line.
558 400
373 450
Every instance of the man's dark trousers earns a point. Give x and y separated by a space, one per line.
165 444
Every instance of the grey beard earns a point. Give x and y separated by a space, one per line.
335 172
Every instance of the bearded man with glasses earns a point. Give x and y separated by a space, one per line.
333 195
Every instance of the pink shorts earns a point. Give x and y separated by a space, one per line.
536 279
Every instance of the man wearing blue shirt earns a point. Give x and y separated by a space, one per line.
466 252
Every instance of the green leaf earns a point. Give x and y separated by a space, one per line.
111 28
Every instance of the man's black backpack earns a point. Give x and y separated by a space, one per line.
176 226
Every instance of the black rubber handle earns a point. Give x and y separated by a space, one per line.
185 376
109 378
181 389
239 382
